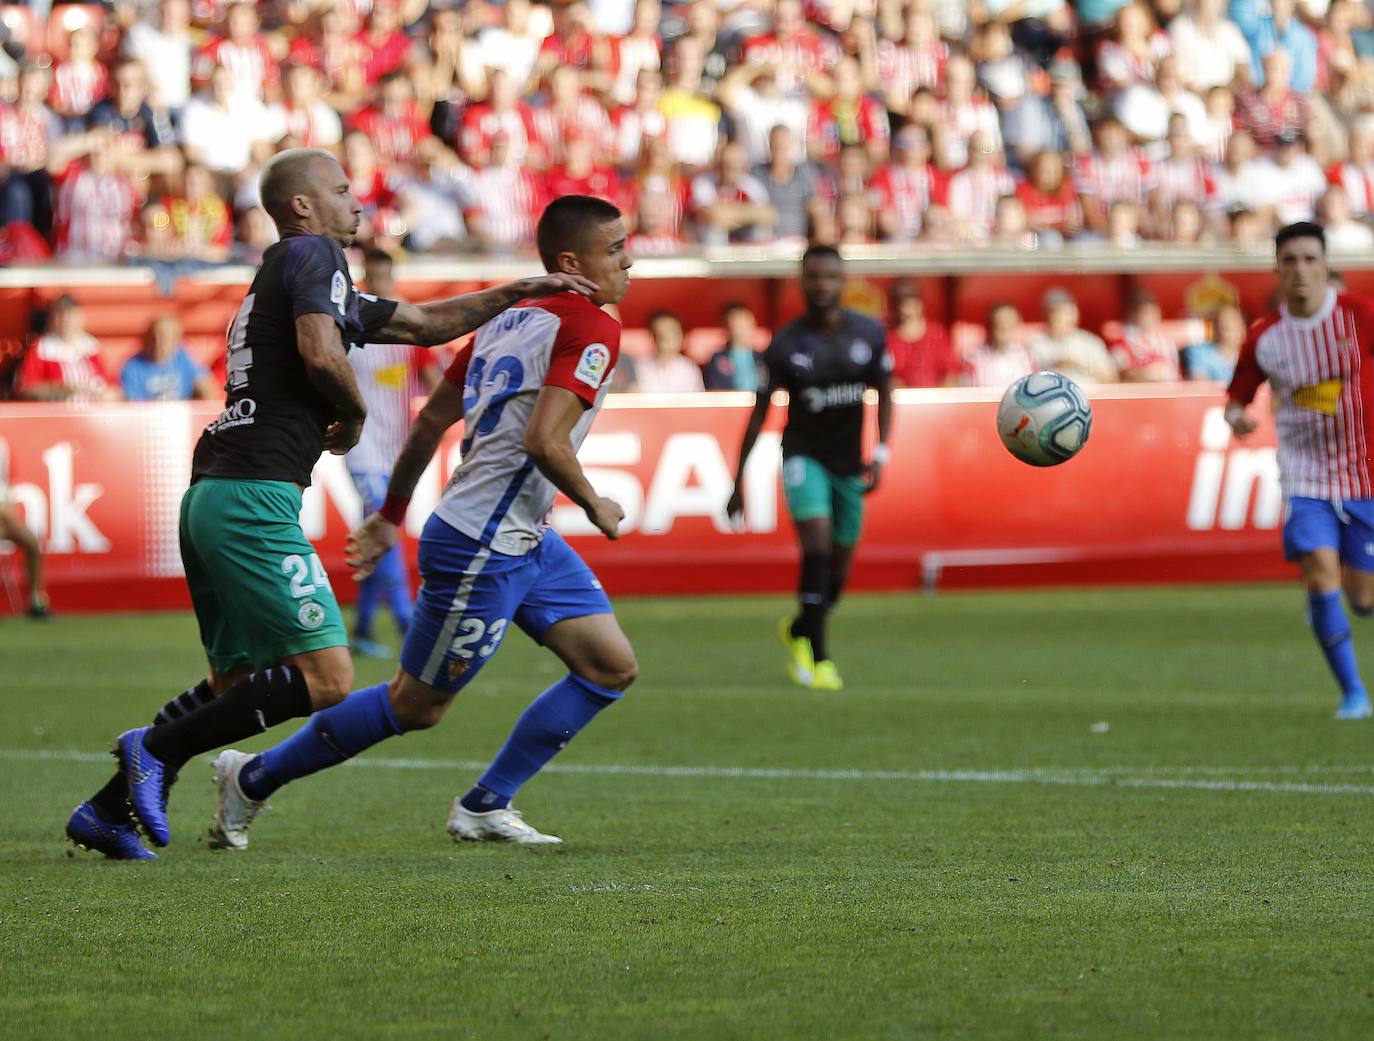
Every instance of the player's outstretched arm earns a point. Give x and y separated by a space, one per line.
445 320
326 365
548 441
378 533
735 506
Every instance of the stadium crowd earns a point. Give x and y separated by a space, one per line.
133 132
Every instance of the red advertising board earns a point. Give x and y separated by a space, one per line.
1160 493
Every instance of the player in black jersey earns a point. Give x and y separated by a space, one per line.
272 631
825 360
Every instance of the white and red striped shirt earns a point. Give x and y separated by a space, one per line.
250 64
1322 377
965 120
973 195
1177 180
94 215
74 364
588 117
481 125
77 86
506 202
1358 182
901 69
907 193
1128 176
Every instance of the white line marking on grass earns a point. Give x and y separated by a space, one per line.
1092 777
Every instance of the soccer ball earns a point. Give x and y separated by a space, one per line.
1044 419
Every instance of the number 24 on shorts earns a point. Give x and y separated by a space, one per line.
306 576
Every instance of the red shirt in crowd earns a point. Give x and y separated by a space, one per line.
927 361
395 137
481 123
252 68
379 57
602 182
908 193
1058 210
834 123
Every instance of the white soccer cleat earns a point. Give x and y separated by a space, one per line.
229 827
505 825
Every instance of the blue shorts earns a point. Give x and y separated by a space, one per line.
1347 527
471 594
371 488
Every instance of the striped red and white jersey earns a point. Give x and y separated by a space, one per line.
901 69
251 65
94 215
1358 182
506 203
1127 176
389 381
1178 180
1322 377
77 86
496 495
907 193
973 195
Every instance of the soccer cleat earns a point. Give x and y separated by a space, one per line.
800 664
826 676
88 830
229 826
504 825
148 784
1355 705
370 648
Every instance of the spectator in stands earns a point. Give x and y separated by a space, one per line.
303 116
383 45
1181 176
1129 55
29 130
789 185
655 234
165 49
64 363
1002 358
1116 171
1209 47
80 79
918 60
1144 353
965 111
432 198
1221 123
1294 178
637 50
1050 201
693 119
1342 233
1275 108
244 54
513 48
330 48
667 370
1065 348
395 122
220 127
570 109
1280 31
974 190
1184 225
756 104
504 113
574 42
731 205
903 189
1009 227
144 139
580 174
505 201
95 203
921 353
640 120
802 57
1123 225
1216 359
254 232
1146 109
737 365
186 230
164 370
1356 175
848 117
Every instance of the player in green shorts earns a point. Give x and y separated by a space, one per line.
825 360
271 628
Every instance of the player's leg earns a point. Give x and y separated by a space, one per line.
1312 537
14 530
465 607
271 587
806 487
372 489
846 512
1357 560
568 612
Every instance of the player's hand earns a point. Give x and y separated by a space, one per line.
606 514
559 282
873 475
1242 423
342 434
368 544
734 507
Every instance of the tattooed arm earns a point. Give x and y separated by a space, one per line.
445 320
326 366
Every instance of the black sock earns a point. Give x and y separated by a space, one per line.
112 801
249 707
812 589
832 593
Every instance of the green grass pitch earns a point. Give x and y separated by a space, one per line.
953 847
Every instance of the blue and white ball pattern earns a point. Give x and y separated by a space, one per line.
1044 419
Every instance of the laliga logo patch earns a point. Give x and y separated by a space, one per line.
311 615
338 291
860 353
592 366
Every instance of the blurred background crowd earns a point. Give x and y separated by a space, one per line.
133 131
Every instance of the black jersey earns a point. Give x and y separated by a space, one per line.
272 426
825 375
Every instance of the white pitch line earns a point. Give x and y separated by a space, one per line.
1087 777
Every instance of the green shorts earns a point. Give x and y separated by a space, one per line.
813 491
259 589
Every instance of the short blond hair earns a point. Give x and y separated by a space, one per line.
284 177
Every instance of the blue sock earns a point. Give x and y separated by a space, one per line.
369 596
546 726
337 733
1333 633
394 587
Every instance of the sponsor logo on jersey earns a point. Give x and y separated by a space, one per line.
860 353
311 615
836 395
338 292
239 414
1323 397
592 366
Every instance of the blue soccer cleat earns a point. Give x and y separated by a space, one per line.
1355 705
148 784
88 830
